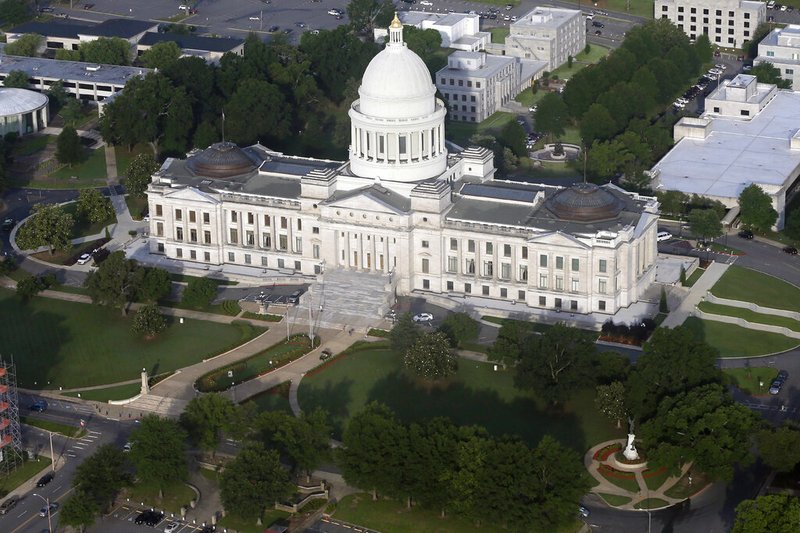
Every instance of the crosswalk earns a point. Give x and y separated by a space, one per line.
83 444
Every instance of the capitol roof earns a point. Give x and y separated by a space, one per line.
17 101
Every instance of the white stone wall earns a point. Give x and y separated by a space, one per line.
728 23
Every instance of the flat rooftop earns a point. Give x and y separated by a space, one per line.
38 67
737 152
192 42
545 17
119 27
492 64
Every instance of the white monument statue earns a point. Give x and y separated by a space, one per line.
630 452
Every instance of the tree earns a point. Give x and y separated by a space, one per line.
513 335
755 208
28 45
49 226
513 137
303 440
702 425
672 361
205 418
253 481
430 357
102 475
93 206
597 124
68 147
140 173
792 226
151 284
29 286
766 72
703 47
199 292
551 115
366 15
79 511
424 43
372 453
148 321
705 224
71 112
107 51
161 55
555 363
159 453
257 111
404 334
610 401
63 54
780 447
58 96
673 202
15 11
777 513
17 79
459 328
205 135
663 305
112 284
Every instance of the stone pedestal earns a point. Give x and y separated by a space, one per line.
145 384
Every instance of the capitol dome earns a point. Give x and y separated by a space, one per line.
584 202
221 160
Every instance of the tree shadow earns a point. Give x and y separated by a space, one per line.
335 398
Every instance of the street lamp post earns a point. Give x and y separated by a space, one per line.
47 503
52 455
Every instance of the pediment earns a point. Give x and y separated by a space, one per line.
191 194
557 238
365 202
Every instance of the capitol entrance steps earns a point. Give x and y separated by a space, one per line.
346 298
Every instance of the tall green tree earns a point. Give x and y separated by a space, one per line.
705 224
159 452
68 147
551 115
777 513
366 15
459 327
161 55
206 417
27 46
253 482
114 282
431 357
755 208
257 112
199 292
555 363
597 124
148 321
102 475
513 137
107 51
151 284
94 207
15 11
58 96
780 447
404 334
303 440
17 79
79 511
48 226
140 173
766 72
610 400
71 112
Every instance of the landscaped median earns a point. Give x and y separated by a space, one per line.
256 365
72 432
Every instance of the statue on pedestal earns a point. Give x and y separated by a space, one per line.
630 452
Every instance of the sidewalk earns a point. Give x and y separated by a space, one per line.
696 295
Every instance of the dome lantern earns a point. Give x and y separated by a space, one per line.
396 32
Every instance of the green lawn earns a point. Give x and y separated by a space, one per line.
392 516
535 326
83 227
243 526
221 308
460 132
185 278
739 283
175 497
545 170
581 61
683 488
651 503
621 480
736 341
55 427
57 343
614 499
641 8
274 399
476 395
691 280
137 206
124 157
750 316
30 144
120 392
499 34
657 478
747 379
90 173
18 476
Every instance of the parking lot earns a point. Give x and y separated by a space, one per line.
122 520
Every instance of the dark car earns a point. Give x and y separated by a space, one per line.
746 234
154 518
46 10
273 29
598 24
140 519
598 32
39 406
88 6
783 375
8 224
791 250
326 354
9 504
45 479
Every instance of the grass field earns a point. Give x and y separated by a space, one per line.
55 427
274 399
691 280
83 227
460 132
124 157
185 278
499 35
57 343
747 379
657 478
120 392
476 395
736 341
391 515
651 503
231 523
691 483
641 8
31 144
29 469
175 497
622 480
750 316
739 283
581 61
137 205
614 499
90 173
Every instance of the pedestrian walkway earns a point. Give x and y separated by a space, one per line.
696 294
604 486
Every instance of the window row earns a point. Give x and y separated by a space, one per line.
461 83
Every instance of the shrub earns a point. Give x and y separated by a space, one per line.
148 321
199 292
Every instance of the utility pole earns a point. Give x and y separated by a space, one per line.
52 456
286 318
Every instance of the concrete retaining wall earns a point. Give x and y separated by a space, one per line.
752 307
747 324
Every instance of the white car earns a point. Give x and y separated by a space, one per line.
422 317
425 3
663 236
84 258
334 12
255 18
172 527
720 66
715 71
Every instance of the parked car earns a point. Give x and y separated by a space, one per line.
45 479
325 354
172 527
426 3
598 24
775 388
273 29
39 406
48 509
721 66
598 32
791 250
783 375
88 6
746 234
84 258
335 12
127 447
9 504
8 224
663 236
422 317
255 18
583 511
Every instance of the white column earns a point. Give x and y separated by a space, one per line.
353 139
397 147
419 145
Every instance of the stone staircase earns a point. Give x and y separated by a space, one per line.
161 405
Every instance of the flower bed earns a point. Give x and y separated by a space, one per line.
604 453
620 458
623 480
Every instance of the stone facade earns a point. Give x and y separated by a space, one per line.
547 34
782 48
728 23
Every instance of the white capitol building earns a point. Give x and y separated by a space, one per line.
407 209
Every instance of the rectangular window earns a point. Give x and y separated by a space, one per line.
247 259
575 285
520 295
266 220
315 251
524 252
471 246
159 229
284 222
485 290
266 240
559 283
159 211
602 266
542 281
281 263
299 225
453 244
505 271
573 305
576 264
559 263
488 269
206 237
557 303
315 230
178 234
425 244
449 285
523 272
469 266
192 216
506 250
425 266
178 214
250 218
489 248
231 257
193 235
452 264
543 301
543 261
298 245
179 252
426 284
503 293
468 288
264 261
283 242
234 216
601 286
601 305
250 238
206 256
234 236
206 218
